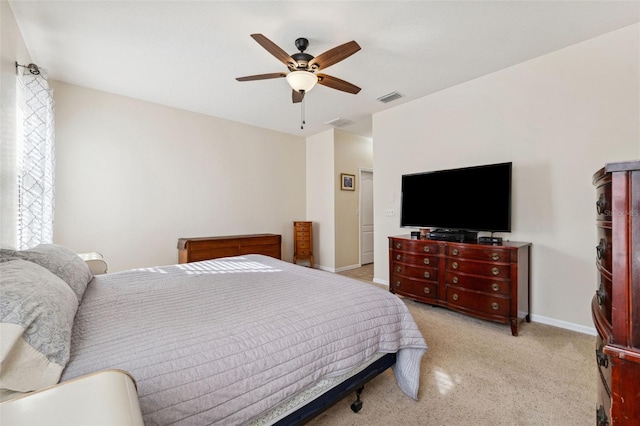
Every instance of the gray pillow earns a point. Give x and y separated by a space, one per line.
36 317
62 262
7 254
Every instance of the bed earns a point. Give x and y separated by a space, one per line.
239 340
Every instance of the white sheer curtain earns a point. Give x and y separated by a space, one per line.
35 159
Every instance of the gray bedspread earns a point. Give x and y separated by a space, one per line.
223 341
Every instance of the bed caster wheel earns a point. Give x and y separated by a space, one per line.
357 404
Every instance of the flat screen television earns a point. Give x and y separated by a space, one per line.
466 199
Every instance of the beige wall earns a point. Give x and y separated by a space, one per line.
12 50
558 118
352 153
334 212
132 177
321 197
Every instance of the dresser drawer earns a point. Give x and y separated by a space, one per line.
603 362
487 285
415 271
480 253
415 259
603 408
603 294
496 270
413 287
479 302
303 236
415 246
302 227
603 201
604 248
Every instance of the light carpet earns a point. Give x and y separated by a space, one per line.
476 373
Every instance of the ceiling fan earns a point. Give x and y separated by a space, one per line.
303 67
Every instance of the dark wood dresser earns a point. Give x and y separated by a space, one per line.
205 248
486 281
616 305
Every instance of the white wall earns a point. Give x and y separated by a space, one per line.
12 50
320 197
352 153
558 118
132 177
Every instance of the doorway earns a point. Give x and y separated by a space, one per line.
366 216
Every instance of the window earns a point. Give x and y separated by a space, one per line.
35 158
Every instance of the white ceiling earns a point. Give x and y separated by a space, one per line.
187 54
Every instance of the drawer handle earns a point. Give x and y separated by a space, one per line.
495 306
426 249
601 294
601 204
398 283
427 274
455 252
426 261
454 265
455 280
427 290
495 271
495 287
399 269
601 417
495 256
455 296
603 359
398 245
399 256
601 248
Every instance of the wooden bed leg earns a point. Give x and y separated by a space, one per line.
357 404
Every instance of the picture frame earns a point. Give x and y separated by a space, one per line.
347 182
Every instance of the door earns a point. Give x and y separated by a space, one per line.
366 217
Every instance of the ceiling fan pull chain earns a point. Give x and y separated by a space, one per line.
302 122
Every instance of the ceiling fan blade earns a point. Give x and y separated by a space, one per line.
336 83
296 96
275 50
262 76
335 55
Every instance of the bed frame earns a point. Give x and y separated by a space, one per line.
329 398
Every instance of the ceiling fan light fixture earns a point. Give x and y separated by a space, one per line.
302 80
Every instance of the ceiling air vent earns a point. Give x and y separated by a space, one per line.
389 97
339 122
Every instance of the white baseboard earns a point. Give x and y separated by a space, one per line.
564 324
336 270
324 268
347 268
379 281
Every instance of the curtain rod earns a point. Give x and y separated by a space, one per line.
33 68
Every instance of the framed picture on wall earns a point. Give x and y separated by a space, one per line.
347 182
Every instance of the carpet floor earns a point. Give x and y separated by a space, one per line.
476 373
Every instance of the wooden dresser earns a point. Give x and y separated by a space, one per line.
616 305
486 281
303 242
204 248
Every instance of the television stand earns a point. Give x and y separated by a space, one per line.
456 235
488 282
